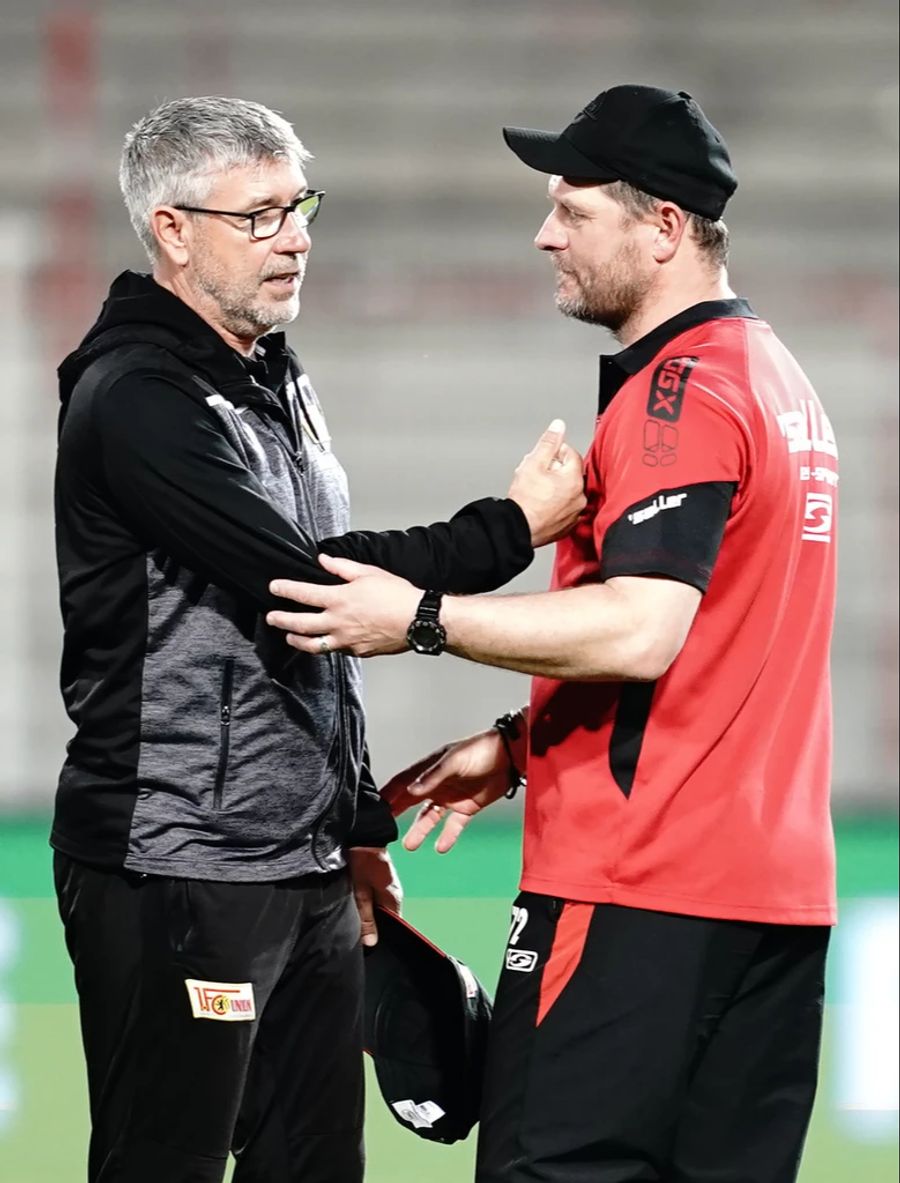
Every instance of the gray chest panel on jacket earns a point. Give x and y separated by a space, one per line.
247 766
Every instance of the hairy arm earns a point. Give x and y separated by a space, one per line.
627 628
631 627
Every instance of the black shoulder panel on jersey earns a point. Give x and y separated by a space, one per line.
675 533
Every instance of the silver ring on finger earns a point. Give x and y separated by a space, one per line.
324 646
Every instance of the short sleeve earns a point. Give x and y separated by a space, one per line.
667 463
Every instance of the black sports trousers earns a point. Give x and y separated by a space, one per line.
631 1046
171 1093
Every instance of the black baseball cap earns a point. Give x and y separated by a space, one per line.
426 1021
657 140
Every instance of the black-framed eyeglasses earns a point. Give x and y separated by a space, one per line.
266 223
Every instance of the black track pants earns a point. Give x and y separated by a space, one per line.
177 1074
631 1046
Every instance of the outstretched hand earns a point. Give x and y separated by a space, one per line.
451 786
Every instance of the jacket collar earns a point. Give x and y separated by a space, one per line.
138 307
617 368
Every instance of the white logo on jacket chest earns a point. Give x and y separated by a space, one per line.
235 424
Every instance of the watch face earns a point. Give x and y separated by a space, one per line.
426 636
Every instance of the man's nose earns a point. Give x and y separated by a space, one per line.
551 237
294 238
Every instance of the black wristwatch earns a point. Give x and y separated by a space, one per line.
426 634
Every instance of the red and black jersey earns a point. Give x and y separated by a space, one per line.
706 792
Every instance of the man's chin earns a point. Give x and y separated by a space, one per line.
280 312
576 309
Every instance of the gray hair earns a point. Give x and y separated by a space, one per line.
173 154
711 237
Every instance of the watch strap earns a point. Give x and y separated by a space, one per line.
429 606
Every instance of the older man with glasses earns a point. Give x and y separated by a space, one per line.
219 843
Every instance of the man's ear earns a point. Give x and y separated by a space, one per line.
671 226
172 230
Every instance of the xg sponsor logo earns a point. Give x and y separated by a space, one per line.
667 388
521 961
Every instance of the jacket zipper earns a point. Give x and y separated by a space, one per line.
293 447
341 739
224 731
342 729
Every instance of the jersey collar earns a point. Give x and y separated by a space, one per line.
617 368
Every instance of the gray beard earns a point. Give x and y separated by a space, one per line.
239 311
245 321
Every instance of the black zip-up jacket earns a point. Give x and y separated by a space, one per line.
187 478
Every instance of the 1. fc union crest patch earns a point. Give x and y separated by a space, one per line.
227 1002
667 389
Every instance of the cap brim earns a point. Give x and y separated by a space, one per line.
405 964
550 152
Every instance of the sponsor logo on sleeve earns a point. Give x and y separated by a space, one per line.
226 1002
661 502
667 388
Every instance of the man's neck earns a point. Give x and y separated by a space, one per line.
663 306
206 310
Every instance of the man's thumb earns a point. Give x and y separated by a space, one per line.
347 569
552 439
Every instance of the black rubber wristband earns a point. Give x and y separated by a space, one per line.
508 727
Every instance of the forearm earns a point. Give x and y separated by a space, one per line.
482 547
590 633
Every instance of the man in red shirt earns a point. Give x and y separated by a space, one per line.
659 1011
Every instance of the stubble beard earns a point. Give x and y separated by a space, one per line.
243 308
610 295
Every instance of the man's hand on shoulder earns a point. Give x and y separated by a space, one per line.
549 486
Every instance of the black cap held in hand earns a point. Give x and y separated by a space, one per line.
426 1023
657 140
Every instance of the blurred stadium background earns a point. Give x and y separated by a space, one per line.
429 332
